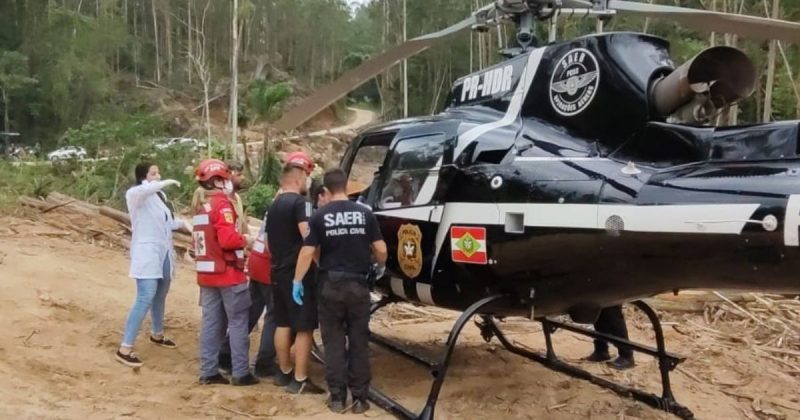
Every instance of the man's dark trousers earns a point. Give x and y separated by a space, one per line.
344 312
612 322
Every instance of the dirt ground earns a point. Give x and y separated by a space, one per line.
63 302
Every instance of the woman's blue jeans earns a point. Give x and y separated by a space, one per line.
151 295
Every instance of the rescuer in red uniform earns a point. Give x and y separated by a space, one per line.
220 263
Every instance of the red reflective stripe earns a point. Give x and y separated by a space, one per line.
478 233
476 258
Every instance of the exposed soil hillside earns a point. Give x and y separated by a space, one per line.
63 302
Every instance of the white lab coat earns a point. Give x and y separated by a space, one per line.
152 224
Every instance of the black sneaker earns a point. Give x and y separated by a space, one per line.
622 363
225 363
163 342
130 359
336 403
360 406
214 380
303 387
598 356
266 370
245 380
282 379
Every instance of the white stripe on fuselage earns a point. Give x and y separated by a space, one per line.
514 106
671 218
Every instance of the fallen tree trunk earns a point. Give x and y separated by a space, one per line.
89 227
115 214
78 206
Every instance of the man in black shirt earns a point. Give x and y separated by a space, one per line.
287 224
346 235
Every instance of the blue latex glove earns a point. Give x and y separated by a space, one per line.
297 292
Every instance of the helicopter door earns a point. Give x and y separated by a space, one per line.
404 204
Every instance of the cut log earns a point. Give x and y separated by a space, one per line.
60 200
115 214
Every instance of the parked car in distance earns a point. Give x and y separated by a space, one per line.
195 144
67 152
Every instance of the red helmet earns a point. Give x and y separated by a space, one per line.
299 159
209 168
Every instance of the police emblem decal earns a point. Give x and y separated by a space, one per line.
574 82
409 250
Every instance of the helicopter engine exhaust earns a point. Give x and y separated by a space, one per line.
702 87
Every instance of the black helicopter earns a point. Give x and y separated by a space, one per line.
557 182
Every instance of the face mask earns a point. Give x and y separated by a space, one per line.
227 186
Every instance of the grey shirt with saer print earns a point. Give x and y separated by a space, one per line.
344 231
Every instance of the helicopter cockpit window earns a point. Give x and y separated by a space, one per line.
413 172
365 167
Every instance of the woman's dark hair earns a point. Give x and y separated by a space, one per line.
315 191
141 171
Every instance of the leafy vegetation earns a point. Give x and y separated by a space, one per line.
264 98
258 199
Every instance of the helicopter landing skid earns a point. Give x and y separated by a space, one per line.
666 361
438 370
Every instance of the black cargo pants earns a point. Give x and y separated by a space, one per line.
612 322
344 311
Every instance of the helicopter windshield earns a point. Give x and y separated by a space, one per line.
366 164
413 171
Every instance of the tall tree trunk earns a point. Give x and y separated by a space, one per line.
155 41
766 116
247 167
234 107
167 35
313 75
207 111
189 38
6 105
136 46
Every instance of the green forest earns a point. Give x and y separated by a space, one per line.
106 74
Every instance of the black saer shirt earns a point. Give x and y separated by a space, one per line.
344 231
283 236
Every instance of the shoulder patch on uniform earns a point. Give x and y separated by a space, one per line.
228 215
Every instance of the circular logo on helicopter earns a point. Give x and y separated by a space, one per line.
574 82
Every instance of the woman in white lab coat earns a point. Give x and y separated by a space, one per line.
152 258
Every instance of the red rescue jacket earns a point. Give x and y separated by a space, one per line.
259 263
218 246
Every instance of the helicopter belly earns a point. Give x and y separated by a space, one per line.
563 257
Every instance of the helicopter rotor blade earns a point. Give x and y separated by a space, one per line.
361 74
707 20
